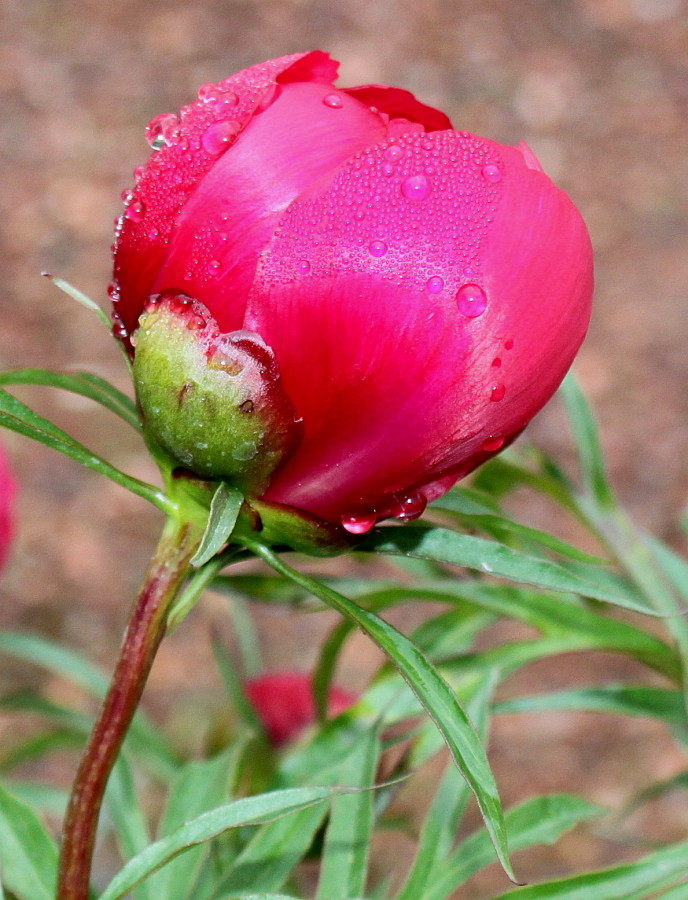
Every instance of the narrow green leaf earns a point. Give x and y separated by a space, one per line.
234 688
259 897
28 856
83 383
344 861
443 545
620 699
650 873
539 820
198 787
127 817
323 671
590 457
272 853
16 416
248 811
42 797
432 691
444 815
80 297
224 512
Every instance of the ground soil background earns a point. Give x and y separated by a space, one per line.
598 88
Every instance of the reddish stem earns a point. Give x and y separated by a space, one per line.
145 630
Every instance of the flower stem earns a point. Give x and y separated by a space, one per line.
144 632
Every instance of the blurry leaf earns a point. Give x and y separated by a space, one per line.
323 671
38 745
498 560
344 860
28 856
198 787
127 817
502 474
621 699
539 820
247 811
234 688
590 458
650 873
83 383
224 512
16 416
433 692
42 797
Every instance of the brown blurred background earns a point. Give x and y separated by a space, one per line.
598 88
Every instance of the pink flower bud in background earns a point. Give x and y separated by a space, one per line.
420 291
7 490
284 704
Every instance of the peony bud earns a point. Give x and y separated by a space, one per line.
6 508
420 292
284 704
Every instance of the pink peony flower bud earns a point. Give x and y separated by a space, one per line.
7 490
421 291
284 704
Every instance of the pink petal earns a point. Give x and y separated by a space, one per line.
394 383
173 173
400 104
287 149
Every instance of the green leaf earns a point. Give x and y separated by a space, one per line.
234 688
443 545
80 297
432 691
539 820
28 856
650 873
127 817
620 699
590 457
444 815
42 797
259 897
247 811
344 861
83 383
224 512
197 788
16 416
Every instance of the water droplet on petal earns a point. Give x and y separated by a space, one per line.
213 267
207 92
377 248
415 187
113 291
334 101
434 284
195 323
492 443
180 302
498 392
508 345
138 172
393 153
410 508
471 300
125 197
219 136
496 362
134 212
162 130
387 169
491 173
303 267
358 523
270 94
152 302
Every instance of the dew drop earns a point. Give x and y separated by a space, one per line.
387 169
180 302
334 101
496 362
358 523
415 187
247 406
227 101
152 302
152 233
113 291
195 323
508 345
134 212
393 153
410 508
162 130
471 300
213 267
303 267
126 196
207 92
377 248
219 136
434 284
497 393
492 443
138 172
491 173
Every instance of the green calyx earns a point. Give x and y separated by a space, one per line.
214 402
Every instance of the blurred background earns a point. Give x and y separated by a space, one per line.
598 88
